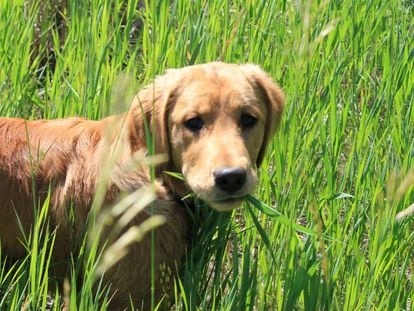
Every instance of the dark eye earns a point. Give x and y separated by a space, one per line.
247 121
194 124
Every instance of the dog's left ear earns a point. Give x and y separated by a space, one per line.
272 96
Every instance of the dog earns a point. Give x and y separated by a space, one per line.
212 120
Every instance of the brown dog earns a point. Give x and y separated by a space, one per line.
213 121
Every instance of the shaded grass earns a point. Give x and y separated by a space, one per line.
335 167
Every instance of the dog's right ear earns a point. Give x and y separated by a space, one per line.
149 122
150 108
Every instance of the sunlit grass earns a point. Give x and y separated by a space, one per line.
320 233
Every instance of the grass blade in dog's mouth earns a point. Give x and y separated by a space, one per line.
274 214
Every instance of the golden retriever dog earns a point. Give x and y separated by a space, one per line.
213 121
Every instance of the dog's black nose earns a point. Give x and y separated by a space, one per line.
230 179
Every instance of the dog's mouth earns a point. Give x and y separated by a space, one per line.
229 200
226 204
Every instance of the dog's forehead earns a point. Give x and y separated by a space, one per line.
207 97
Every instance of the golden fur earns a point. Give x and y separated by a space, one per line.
209 119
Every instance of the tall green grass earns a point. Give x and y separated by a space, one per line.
337 172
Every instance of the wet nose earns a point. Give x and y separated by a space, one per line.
230 179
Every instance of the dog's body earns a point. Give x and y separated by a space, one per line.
213 121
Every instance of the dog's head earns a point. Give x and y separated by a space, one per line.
214 121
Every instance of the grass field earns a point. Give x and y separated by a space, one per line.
321 233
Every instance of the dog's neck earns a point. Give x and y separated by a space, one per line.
177 187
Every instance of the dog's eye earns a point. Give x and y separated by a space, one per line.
194 124
247 121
